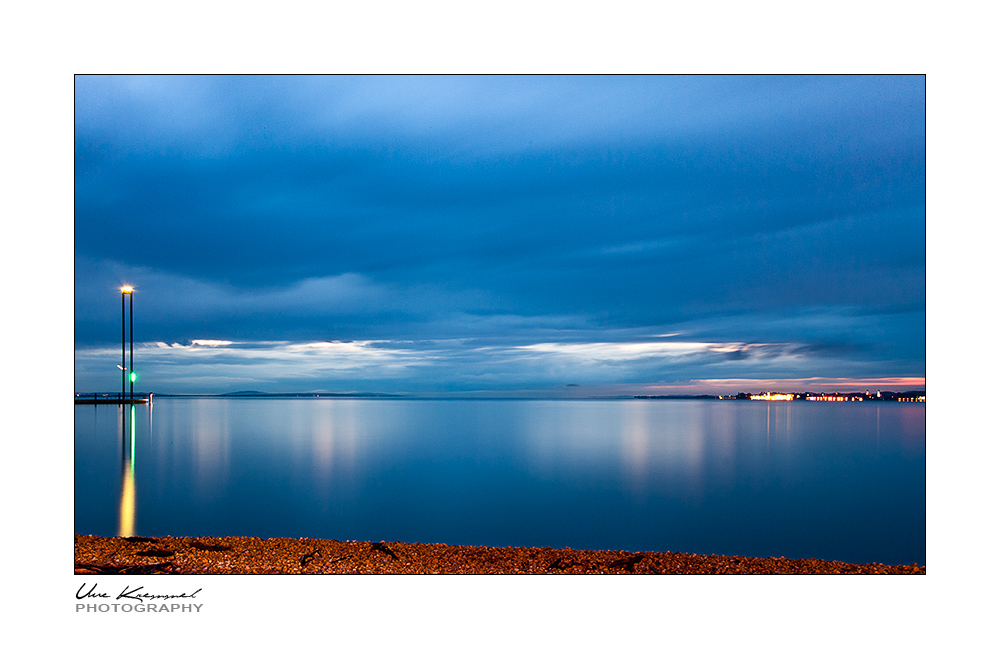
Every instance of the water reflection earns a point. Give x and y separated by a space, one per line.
212 430
766 478
653 443
878 430
636 442
126 504
334 440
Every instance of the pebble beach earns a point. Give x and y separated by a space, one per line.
244 555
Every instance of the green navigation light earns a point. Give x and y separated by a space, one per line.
132 377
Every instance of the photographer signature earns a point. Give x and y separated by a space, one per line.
138 594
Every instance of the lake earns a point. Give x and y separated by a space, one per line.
842 481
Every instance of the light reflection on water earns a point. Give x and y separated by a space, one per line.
126 507
826 480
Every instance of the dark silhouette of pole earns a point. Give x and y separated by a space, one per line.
131 368
123 344
126 371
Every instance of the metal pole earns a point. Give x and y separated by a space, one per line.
123 345
131 369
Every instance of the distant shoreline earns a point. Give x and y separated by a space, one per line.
889 397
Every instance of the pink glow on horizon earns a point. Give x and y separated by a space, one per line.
810 384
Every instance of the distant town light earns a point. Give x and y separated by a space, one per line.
772 397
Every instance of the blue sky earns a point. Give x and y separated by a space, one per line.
550 236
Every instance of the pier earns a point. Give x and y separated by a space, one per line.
95 398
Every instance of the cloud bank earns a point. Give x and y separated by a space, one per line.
490 233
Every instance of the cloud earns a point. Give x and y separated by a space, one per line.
792 384
510 213
349 186
420 367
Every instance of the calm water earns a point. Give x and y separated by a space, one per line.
827 480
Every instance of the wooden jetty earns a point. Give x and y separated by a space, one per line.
95 398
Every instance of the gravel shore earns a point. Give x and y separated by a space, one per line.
242 555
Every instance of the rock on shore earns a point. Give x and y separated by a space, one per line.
244 555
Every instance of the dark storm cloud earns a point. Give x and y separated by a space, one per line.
513 210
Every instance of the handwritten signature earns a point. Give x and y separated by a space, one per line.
138 594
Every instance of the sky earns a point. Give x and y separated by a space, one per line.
553 236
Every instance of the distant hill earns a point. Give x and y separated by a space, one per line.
676 396
258 393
